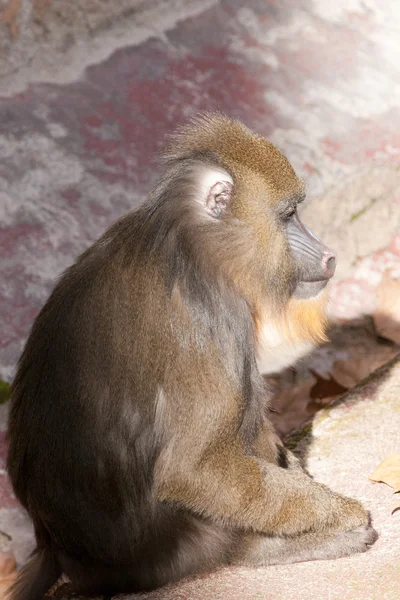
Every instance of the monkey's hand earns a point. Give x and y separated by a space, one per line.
348 514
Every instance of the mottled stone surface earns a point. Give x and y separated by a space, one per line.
48 40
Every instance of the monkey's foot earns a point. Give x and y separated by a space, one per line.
265 550
345 543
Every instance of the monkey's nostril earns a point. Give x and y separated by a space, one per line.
329 262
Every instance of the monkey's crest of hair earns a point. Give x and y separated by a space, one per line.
235 145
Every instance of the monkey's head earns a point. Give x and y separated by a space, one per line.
247 197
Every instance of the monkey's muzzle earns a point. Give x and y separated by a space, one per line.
315 262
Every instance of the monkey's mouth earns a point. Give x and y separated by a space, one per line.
309 289
315 280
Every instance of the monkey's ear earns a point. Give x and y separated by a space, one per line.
218 198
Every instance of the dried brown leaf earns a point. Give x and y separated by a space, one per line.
396 506
39 7
9 16
388 472
386 317
8 572
325 387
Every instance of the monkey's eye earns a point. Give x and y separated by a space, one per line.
288 214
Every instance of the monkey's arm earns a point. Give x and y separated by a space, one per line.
246 492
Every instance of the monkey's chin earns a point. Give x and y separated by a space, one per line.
309 289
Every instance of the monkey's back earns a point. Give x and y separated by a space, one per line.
82 445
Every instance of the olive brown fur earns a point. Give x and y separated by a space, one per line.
139 436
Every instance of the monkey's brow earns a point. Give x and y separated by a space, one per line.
297 198
293 200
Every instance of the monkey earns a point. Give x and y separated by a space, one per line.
139 438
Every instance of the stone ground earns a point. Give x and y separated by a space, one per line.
321 80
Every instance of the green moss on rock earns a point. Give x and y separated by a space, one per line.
298 436
4 391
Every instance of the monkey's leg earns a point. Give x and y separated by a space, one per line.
272 550
245 492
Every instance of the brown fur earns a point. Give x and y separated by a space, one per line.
139 442
303 320
239 150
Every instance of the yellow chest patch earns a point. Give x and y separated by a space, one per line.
284 340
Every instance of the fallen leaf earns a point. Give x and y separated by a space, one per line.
61 589
8 572
9 15
386 317
290 402
388 472
39 7
325 387
396 507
